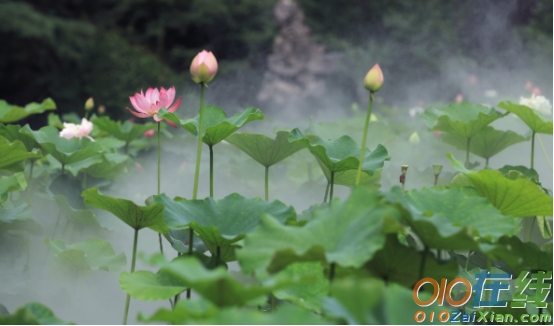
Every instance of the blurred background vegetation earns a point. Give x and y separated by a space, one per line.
73 49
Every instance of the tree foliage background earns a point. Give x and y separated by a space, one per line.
109 49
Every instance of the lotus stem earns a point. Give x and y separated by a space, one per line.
326 192
332 186
272 302
544 151
159 164
63 168
191 240
212 171
199 153
533 151
30 183
332 272
132 271
467 260
487 162
126 148
439 254
467 152
267 183
524 229
531 229
218 253
359 175
404 169
422 266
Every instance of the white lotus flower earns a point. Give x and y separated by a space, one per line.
539 103
71 130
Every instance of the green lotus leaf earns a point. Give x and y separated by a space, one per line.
519 198
370 302
399 264
222 222
145 285
14 182
106 144
544 227
126 132
348 178
54 121
518 255
183 310
458 165
12 133
70 265
11 213
347 234
487 142
32 313
216 126
306 294
527 172
75 168
475 213
505 295
532 118
463 119
216 285
13 113
98 254
189 312
66 151
341 154
263 149
308 214
137 217
112 166
85 217
13 155
180 239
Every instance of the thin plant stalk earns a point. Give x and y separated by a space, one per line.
132 270
525 228
332 182
359 175
272 302
544 151
198 155
267 183
212 171
30 183
531 228
422 266
332 272
159 164
326 192
436 181
486 162
533 151
467 260
467 152
403 188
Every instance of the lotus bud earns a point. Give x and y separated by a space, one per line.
414 138
528 85
203 67
472 80
374 79
459 98
149 133
182 168
536 91
138 166
101 109
437 169
437 133
373 117
89 104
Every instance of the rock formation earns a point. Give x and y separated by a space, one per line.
295 63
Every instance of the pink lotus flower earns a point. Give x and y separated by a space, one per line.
138 166
149 133
459 98
374 79
203 67
182 168
148 105
437 133
473 80
71 130
536 91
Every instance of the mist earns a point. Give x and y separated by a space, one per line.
99 299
